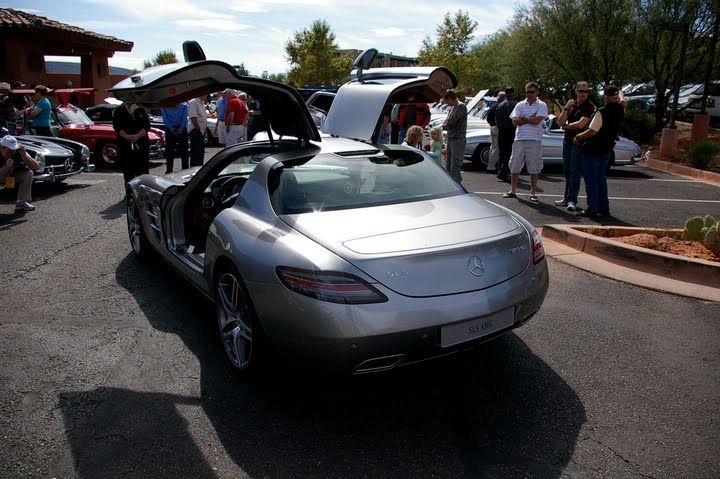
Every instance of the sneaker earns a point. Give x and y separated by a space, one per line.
24 206
588 214
561 202
604 213
571 206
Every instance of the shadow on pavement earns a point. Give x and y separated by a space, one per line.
500 411
114 211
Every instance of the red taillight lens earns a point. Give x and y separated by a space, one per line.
537 247
330 286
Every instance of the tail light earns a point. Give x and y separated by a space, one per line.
331 286
538 251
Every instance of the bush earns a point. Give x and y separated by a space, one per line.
702 154
638 126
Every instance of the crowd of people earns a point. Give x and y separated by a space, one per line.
515 131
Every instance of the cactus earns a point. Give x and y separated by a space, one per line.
709 221
693 229
712 240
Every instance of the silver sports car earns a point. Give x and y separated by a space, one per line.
363 257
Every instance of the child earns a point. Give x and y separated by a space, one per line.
436 147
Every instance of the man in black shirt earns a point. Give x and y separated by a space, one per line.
574 119
132 124
506 133
597 143
492 121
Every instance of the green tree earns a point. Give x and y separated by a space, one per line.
660 39
241 69
163 57
315 58
278 77
452 48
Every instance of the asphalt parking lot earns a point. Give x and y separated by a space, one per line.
111 367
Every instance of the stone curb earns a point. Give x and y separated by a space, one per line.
689 270
709 177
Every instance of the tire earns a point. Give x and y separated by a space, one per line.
138 241
108 154
481 156
241 336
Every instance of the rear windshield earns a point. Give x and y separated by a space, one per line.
330 182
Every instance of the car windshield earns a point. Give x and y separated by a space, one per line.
73 116
330 182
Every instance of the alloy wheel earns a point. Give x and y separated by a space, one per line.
234 321
134 227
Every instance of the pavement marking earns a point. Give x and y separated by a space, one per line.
675 200
85 182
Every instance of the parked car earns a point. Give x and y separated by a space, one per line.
58 158
71 122
626 152
691 102
364 257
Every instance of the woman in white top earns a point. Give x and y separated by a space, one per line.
413 137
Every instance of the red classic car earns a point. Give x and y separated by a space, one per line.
74 124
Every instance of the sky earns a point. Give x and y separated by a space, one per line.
255 32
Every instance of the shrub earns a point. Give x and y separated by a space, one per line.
702 154
638 126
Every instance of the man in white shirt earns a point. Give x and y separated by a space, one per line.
527 116
197 116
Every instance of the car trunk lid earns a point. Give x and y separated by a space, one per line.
425 248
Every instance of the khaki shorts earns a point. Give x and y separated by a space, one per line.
526 152
221 132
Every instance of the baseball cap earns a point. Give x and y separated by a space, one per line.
9 142
4 86
611 91
230 92
41 89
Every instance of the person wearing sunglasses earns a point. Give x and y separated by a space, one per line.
574 119
598 141
527 116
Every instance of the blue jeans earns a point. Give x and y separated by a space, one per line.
595 175
572 167
401 134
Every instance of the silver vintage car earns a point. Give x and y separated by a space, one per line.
477 150
362 257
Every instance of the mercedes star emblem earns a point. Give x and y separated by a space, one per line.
476 266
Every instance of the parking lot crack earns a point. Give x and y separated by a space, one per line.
23 272
622 458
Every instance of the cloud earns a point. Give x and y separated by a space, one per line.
213 24
150 11
389 32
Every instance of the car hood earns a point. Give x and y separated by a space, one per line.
358 104
168 85
46 147
408 247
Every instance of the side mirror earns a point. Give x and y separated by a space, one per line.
192 51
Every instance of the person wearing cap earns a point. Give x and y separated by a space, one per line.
574 119
16 170
597 142
196 130
40 113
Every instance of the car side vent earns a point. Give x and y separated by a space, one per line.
358 152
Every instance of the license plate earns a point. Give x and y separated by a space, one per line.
476 328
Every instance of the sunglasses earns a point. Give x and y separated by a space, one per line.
582 91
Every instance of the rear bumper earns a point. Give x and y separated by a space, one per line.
376 337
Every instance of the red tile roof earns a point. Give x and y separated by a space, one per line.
11 19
